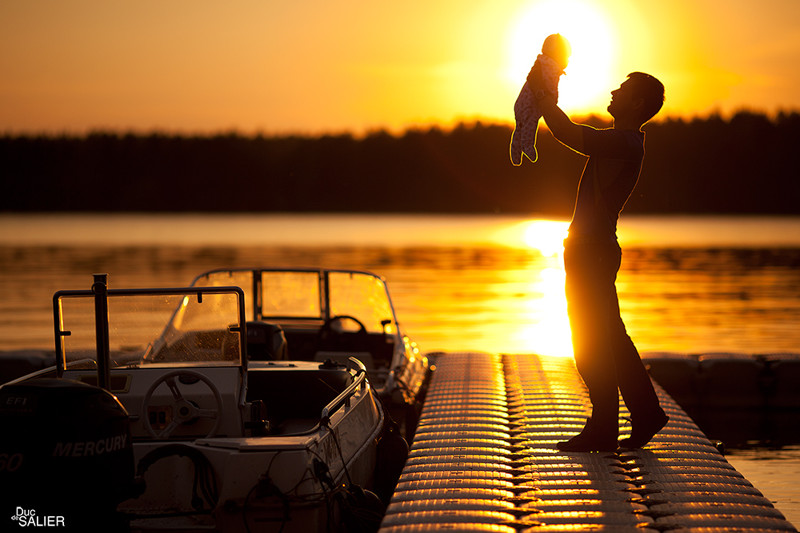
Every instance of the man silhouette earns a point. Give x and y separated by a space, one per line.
605 356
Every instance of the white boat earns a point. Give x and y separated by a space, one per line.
155 419
328 314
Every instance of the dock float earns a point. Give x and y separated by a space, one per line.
484 459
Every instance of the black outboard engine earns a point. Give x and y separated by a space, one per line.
66 457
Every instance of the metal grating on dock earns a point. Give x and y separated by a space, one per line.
484 460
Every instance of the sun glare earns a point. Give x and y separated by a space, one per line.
541 324
586 86
549 332
546 236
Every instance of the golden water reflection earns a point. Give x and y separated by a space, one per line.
541 324
544 236
548 330
458 283
509 298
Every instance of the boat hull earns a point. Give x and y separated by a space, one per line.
293 483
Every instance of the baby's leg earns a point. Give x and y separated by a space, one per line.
527 114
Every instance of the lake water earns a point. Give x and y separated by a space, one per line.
478 283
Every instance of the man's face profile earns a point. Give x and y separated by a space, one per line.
622 102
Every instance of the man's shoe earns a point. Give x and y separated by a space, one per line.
644 429
590 439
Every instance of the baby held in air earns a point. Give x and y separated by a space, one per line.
553 60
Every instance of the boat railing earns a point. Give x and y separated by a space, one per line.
343 399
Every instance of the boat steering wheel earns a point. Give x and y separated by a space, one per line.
327 327
328 335
184 411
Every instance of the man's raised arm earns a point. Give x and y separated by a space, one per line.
559 124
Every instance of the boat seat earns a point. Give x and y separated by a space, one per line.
305 345
266 342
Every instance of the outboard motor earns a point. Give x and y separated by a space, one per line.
66 457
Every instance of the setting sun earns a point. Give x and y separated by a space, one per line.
586 85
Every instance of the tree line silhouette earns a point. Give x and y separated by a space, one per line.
742 165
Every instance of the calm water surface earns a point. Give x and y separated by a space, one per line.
459 283
687 284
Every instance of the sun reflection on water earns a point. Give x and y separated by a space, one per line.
544 236
541 324
459 283
548 332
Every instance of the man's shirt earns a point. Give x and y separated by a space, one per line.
608 179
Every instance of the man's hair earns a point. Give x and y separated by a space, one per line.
650 90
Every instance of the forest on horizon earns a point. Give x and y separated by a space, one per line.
745 164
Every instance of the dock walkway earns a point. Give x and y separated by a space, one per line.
484 460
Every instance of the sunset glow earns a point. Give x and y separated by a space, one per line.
546 236
197 66
594 52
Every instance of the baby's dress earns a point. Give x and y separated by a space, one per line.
527 113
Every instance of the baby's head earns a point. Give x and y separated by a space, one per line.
557 47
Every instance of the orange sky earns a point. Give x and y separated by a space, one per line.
316 66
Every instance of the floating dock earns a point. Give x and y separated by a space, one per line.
484 459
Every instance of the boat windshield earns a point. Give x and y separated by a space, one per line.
146 327
297 295
361 296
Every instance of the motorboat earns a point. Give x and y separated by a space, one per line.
157 418
317 314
